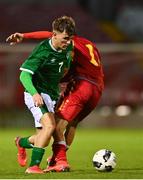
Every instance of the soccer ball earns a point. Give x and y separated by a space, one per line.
104 160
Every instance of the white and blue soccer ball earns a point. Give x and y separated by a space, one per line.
104 160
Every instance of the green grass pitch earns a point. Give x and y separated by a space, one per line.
127 145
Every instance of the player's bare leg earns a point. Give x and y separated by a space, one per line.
70 133
69 137
59 149
41 140
48 126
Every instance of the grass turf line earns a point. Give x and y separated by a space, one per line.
127 145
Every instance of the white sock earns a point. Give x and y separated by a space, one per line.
62 142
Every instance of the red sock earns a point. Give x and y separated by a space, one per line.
59 152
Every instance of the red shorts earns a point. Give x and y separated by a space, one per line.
78 103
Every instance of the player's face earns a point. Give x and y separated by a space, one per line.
61 40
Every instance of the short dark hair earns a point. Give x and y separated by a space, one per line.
64 23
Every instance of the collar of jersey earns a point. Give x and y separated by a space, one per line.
50 42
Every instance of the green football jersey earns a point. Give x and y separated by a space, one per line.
47 65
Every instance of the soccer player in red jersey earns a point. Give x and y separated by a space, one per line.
81 96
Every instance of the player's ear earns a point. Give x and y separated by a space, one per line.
54 33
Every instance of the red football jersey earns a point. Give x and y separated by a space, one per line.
87 61
86 58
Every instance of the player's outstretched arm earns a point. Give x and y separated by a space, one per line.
37 35
15 38
18 37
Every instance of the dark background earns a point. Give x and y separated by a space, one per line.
115 26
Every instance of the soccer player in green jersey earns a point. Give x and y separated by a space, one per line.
40 76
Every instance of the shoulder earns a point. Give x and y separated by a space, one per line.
81 40
42 46
44 43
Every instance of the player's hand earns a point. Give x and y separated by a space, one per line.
15 38
38 100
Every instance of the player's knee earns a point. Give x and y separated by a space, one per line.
50 128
